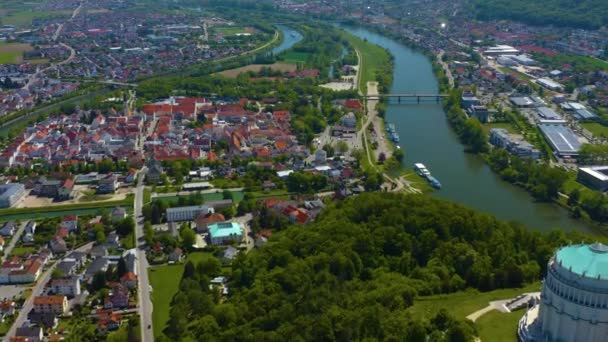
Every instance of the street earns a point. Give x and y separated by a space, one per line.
37 291
143 291
8 249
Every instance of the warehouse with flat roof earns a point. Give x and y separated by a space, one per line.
561 138
547 113
549 84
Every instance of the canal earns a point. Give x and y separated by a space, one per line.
426 138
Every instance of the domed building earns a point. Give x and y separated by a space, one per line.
574 298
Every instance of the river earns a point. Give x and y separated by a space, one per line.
290 38
426 138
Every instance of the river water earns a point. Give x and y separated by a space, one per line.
290 38
426 138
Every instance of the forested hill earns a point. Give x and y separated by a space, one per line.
353 274
589 14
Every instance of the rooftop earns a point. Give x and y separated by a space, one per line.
589 261
225 229
561 138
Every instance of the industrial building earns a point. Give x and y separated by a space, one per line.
574 298
547 113
549 84
225 232
501 50
187 213
522 101
595 177
10 194
561 138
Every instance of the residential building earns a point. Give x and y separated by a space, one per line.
58 245
574 298
129 280
107 184
189 213
500 137
70 222
68 286
479 112
30 334
51 304
203 221
8 229
224 232
10 194
176 256
118 297
113 241
155 171
468 100
118 214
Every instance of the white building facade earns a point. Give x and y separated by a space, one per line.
574 298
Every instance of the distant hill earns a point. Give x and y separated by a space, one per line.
588 14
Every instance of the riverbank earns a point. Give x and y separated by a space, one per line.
428 139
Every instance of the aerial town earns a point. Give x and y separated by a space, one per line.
151 153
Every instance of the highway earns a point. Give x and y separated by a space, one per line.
37 291
143 291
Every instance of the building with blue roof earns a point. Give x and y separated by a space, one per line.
574 298
584 115
225 232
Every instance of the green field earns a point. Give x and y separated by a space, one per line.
237 196
23 19
499 327
165 280
229 31
463 303
296 57
372 58
10 57
596 129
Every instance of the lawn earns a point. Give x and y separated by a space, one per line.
463 303
499 327
19 251
296 57
596 129
23 19
165 283
372 58
13 57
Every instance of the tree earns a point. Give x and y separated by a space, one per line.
99 281
121 268
188 237
342 147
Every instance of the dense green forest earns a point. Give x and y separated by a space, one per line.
588 14
353 274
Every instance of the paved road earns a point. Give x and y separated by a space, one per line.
8 249
36 291
143 291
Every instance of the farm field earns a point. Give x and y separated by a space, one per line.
13 52
232 73
23 19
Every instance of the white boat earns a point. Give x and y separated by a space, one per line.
421 170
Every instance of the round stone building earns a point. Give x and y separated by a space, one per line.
574 298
